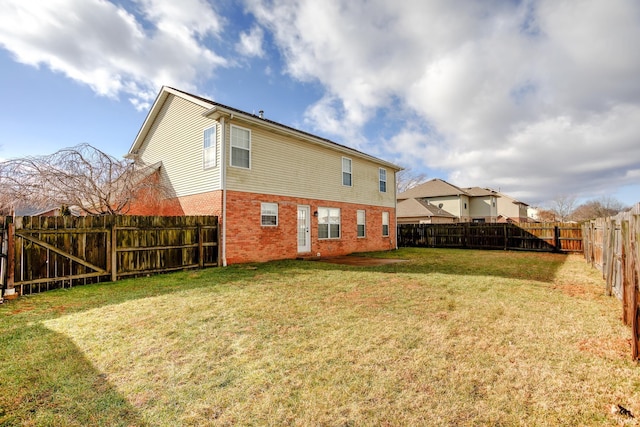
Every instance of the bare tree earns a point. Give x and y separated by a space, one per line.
81 176
562 206
407 179
598 208
546 215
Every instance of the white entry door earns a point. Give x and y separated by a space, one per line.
304 242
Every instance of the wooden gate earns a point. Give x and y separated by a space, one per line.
52 252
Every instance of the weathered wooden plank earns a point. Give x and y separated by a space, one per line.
51 249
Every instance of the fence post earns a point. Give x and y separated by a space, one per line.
465 234
506 236
556 238
634 262
113 254
11 254
200 247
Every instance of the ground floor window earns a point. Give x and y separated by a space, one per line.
361 223
328 223
385 223
269 214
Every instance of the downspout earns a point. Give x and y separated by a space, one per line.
395 205
223 178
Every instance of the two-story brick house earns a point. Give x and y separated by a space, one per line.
280 193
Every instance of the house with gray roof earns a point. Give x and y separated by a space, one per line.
438 201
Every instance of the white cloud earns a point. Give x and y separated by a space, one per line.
106 47
250 43
536 97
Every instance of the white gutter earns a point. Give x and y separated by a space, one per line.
223 178
395 199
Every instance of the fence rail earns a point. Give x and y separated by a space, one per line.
547 237
42 253
612 245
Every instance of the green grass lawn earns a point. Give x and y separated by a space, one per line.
451 337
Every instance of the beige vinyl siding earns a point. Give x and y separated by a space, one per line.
282 165
451 204
507 207
481 207
176 139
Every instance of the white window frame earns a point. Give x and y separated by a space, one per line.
361 221
347 172
385 224
268 210
236 147
333 226
210 147
381 181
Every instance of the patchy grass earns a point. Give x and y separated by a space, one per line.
451 337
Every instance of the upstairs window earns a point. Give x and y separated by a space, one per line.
361 223
346 172
385 224
383 180
240 147
209 148
328 223
269 214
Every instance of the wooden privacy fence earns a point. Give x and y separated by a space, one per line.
612 245
42 253
548 237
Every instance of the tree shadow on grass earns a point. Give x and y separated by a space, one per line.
46 380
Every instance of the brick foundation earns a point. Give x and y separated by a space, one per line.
248 241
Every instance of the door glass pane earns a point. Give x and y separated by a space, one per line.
302 227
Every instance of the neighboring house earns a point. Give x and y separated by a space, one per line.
473 204
31 211
47 211
512 210
416 211
279 193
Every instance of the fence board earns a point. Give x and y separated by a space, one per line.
548 237
56 251
611 246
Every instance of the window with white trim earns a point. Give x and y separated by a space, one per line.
361 223
209 148
346 172
385 224
268 214
383 180
240 147
328 223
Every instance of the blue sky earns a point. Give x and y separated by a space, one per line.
537 98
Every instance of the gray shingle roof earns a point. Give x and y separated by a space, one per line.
411 208
433 188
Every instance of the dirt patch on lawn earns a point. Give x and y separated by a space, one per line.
360 260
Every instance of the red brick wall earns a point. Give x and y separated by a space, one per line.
203 204
248 241
197 204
